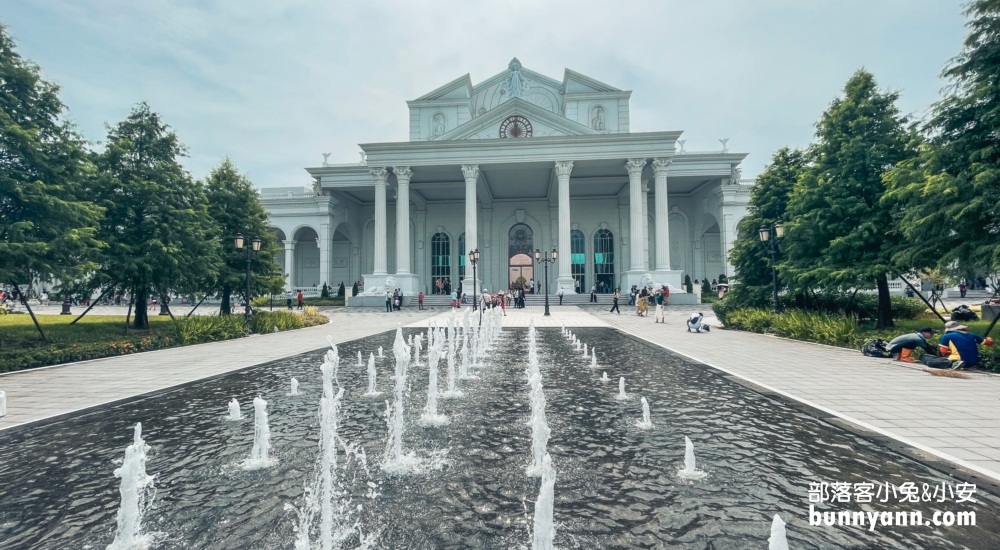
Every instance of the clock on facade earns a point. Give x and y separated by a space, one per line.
515 127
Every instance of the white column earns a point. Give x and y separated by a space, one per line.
380 175
403 174
636 246
645 225
323 242
471 173
289 263
662 214
565 278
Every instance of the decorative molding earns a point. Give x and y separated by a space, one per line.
403 173
660 166
519 215
564 167
379 175
470 171
635 166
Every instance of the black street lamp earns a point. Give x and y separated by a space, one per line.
255 247
547 259
473 258
765 236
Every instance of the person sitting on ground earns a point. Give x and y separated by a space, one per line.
901 347
696 322
962 347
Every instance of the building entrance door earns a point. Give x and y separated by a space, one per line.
521 265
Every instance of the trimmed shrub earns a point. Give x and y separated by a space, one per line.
750 319
264 322
198 329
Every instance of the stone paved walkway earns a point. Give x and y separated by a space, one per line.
954 419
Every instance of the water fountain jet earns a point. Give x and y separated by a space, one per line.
260 453
690 470
137 493
645 423
778 539
621 389
234 410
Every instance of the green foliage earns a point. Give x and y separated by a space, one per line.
951 193
199 329
159 234
325 293
706 287
740 297
264 322
235 208
839 233
354 289
750 256
830 329
47 225
687 283
340 290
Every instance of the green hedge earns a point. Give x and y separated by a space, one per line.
862 306
823 328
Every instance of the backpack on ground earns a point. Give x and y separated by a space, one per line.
963 313
876 348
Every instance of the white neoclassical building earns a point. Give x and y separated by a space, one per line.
515 163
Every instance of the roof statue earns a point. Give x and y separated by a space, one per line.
515 85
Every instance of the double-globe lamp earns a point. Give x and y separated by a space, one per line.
254 247
765 236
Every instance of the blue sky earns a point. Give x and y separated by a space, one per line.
274 84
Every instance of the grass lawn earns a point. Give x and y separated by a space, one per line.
97 336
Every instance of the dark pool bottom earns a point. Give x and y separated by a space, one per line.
617 485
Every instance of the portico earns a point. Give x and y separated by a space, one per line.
544 164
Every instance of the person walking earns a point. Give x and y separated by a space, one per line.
962 288
302 298
420 301
593 293
561 292
288 299
615 297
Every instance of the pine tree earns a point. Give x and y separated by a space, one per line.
235 208
839 233
159 234
47 223
949 198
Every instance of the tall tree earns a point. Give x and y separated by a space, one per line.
951 193
159 234
47 224
768 204
839 233
235 208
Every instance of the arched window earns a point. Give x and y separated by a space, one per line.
604 260
520 259
440 261
578 260
461 257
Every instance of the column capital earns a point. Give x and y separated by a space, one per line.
380 175
635 166
289 243
564 167
470 171
660 166
403 173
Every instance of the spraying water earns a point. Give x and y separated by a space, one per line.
430 415
380 354
544 529
3 403
645 423
260 454
360 361
540 431
585 350
690 470
778 539
372 391
621 389
295 387
137 494
604 378
234 410
593 357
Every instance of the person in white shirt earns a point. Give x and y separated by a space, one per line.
696 322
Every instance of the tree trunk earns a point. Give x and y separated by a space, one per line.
92 304
24 300
884 303
227 297
141 321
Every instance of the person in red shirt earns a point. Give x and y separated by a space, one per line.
420 300
301 298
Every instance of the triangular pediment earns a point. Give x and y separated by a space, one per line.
543 122
577 83
460 88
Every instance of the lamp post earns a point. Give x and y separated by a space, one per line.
765 236
546 258
473 258
254 247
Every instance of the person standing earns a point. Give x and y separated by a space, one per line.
593 293
962 288
420 301
561 291
288 299
388 301
658 299
615 297
532 285
301 298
